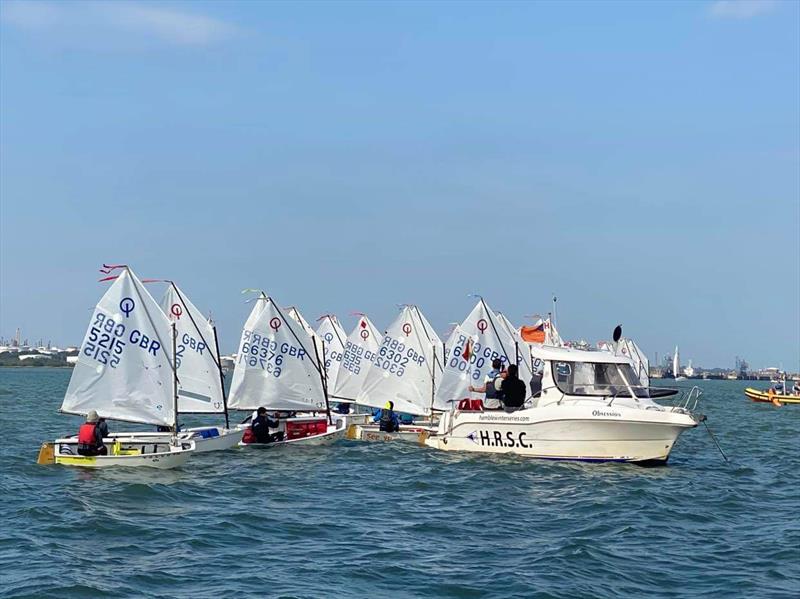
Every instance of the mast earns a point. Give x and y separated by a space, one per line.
221 378
323 376
174 379
433 380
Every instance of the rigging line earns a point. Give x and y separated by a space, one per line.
425 330
494 328
278 309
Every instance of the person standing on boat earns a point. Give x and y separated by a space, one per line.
389 422
261 425
90 435
491 386
513 388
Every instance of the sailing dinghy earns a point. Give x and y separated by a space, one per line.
125 372
403 371
201 388
278 367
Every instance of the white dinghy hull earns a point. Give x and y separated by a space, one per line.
577 432
372 433
334 432
205 438
126 454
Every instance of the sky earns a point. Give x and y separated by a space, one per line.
639 160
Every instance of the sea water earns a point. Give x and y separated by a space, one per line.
398 520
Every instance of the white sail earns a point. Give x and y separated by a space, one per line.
199 382
124 368
276 365
333 337
360 350
551 334
641 365
506 324
490 340
403 369
676 364
461 369
295 315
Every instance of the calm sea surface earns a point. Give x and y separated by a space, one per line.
394 520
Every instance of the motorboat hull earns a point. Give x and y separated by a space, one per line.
764 396
584 433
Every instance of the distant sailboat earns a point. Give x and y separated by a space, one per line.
676 366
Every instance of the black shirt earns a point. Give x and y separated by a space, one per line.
513 392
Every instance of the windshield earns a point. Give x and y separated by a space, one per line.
592 378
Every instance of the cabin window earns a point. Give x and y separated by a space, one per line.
596 378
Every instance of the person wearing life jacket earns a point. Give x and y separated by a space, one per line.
90 436
389 422
513 388
492 386
260 426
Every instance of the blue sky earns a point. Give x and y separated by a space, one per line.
640 160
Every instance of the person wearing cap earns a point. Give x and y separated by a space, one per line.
492 386
389 422
90 435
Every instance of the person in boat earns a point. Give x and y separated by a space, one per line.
387 419
513 389
90 435
343 408
260 426
492 386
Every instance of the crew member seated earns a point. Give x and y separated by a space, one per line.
513 388
492 386
90 436
389 423
343 408
261 425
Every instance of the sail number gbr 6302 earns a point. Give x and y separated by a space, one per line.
393 356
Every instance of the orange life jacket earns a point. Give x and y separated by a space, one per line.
86 433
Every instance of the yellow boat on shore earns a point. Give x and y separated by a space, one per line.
766 396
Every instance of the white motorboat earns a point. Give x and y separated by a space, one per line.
589 409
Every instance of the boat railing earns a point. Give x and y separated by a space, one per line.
688 400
